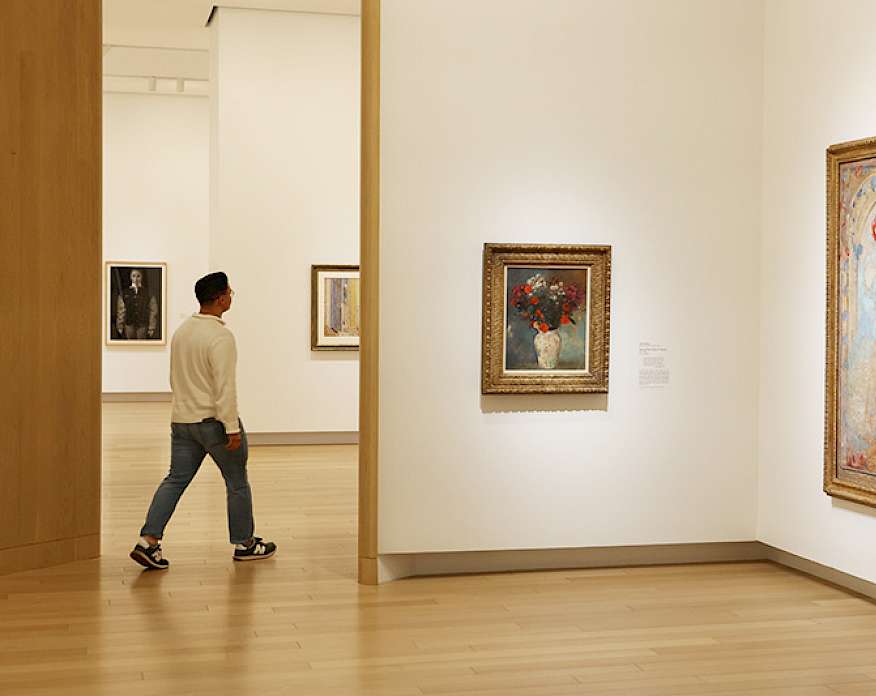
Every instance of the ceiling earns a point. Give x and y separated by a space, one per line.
165 23
181 23
164 45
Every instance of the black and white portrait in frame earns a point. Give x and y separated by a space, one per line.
136 298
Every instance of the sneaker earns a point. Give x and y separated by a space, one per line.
150 557
258 550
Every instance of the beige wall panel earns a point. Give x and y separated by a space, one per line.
50 284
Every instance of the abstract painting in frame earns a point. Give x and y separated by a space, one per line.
546 315
135 303
334 308
850 394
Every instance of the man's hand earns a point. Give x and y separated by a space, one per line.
233 442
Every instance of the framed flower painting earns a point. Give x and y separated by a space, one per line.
545 319
850 394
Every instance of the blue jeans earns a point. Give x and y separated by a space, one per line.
190 443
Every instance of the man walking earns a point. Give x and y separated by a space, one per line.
203 362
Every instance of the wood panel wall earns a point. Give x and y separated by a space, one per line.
50 281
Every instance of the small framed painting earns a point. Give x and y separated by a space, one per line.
850 369
135 301
545 319
334 308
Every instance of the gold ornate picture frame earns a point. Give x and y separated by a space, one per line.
546 310
850 365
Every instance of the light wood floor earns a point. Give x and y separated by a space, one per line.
299 624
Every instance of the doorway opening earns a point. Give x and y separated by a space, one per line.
219 156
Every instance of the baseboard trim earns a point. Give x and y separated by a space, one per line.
49 553
404 565
396 566
136 397
340 437
817 570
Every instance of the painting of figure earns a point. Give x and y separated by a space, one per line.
857 289
135 302
850 442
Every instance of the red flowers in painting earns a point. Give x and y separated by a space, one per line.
547 304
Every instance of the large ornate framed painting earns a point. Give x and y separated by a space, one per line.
850 408
545 319
136 298
334 308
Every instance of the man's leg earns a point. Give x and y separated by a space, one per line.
241 525
186 455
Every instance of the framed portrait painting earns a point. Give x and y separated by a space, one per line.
135 302
334 308
545 319
850 374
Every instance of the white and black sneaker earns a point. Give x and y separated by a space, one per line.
256 551
150 557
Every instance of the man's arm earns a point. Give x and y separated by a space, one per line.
223 362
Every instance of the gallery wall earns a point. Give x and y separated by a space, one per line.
634 124
285 177
815 95
155 209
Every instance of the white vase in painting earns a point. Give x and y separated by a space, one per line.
547 348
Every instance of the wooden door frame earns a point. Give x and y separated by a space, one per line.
370 278
369 356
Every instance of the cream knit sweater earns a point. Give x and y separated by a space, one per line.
203 365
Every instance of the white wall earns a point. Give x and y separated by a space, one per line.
817 92
285 179
155 193
636 124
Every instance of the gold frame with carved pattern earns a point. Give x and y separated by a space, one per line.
495 379
846 483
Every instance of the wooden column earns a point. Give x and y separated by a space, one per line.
369 379
50 281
